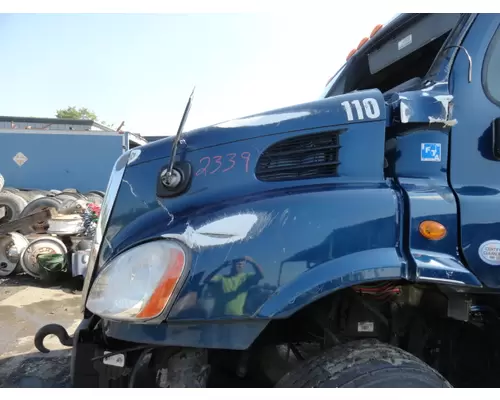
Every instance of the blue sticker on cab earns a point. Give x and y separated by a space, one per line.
430 152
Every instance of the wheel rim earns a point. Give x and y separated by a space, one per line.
11 248
42 245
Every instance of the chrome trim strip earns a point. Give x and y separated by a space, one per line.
107 205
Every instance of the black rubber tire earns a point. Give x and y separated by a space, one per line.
30 195
98 192
15 205
38 204
67 204
10 189
69 195
2 182
363 364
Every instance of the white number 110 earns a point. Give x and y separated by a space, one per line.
370 106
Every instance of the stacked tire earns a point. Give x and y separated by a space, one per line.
18 249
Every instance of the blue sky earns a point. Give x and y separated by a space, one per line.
141 67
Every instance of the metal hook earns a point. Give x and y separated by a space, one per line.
468 56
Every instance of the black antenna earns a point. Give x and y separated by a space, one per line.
176 142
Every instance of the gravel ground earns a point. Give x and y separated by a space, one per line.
25 306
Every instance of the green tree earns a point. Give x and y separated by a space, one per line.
80 113
74 113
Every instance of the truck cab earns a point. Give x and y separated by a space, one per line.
352 241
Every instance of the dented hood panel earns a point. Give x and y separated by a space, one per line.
364 106
282 228
431 104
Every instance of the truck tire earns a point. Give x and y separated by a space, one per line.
69 195
39 204
13 205
363 364
30 195
98 192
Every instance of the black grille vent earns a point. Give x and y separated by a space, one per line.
301 157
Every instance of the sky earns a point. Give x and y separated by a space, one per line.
141 68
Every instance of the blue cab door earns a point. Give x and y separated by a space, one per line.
474 171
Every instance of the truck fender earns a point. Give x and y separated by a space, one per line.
331 276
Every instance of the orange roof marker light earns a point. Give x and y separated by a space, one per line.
351 53
375 30
364 40
432 230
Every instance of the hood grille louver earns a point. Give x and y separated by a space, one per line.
301 157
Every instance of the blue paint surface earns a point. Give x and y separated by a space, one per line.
304 240
314 116
59 161
215 335
309 238
474 172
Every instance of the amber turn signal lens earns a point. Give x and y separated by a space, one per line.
166 286
432 230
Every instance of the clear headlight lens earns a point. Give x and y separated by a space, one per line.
138 284
114 182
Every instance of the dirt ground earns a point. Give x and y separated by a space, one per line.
25 306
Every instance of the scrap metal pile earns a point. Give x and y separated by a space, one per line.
46 234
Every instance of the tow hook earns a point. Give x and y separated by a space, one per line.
52 329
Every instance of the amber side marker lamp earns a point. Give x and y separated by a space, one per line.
376 29
432 230
364 40
361 44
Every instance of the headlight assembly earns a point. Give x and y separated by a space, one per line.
114 183
139 284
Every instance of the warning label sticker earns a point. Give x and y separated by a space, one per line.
20 159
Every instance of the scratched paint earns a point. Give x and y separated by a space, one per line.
263 119
445 122
226 230
445 101
405 113
432 103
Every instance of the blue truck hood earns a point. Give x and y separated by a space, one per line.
357 120
317 114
